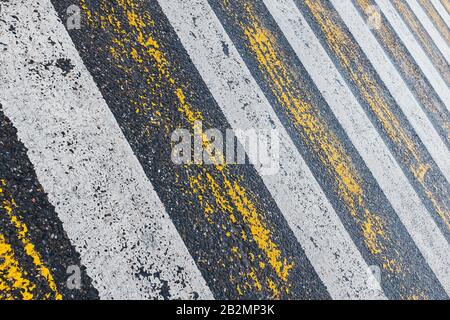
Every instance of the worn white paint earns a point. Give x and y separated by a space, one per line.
396 86
108 207
364 136
303 203
423 18
419 55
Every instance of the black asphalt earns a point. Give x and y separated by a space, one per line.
45 229
230 223
398 245
411 73
423 38
434 181
228 263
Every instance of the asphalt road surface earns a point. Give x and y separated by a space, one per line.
350 98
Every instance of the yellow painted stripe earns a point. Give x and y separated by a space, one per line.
346 51
387 36
439 23
283 83
13 281
446 4
229 196
304 115
9 206
425 41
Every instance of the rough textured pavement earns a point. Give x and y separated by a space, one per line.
354 205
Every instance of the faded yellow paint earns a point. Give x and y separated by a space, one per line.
133 40
283 84
446 4
437 20
421 171
273 287
388 38
416 297
411 20
412 157
12 277
9 205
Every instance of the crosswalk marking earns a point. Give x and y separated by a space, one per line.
31 228
395 84
436 19
325 147
410 72
408 105
421 34
297 194
446 4
423 38
416 50
9 206
435 25
442 11
430 29
224 207
109 209
374 152
426 177
362 117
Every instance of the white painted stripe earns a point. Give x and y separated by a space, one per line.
395 84
430 28
108 207
442 11
364 137
419 55
298 195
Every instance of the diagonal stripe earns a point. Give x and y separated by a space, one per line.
227 218
13 281
373 56
430 28
299 197
436 19
364 136
416 50
109 209
32 229
409 70
446 4
409 106
251 235
442 11
409 151
439 60
348 184
9 207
